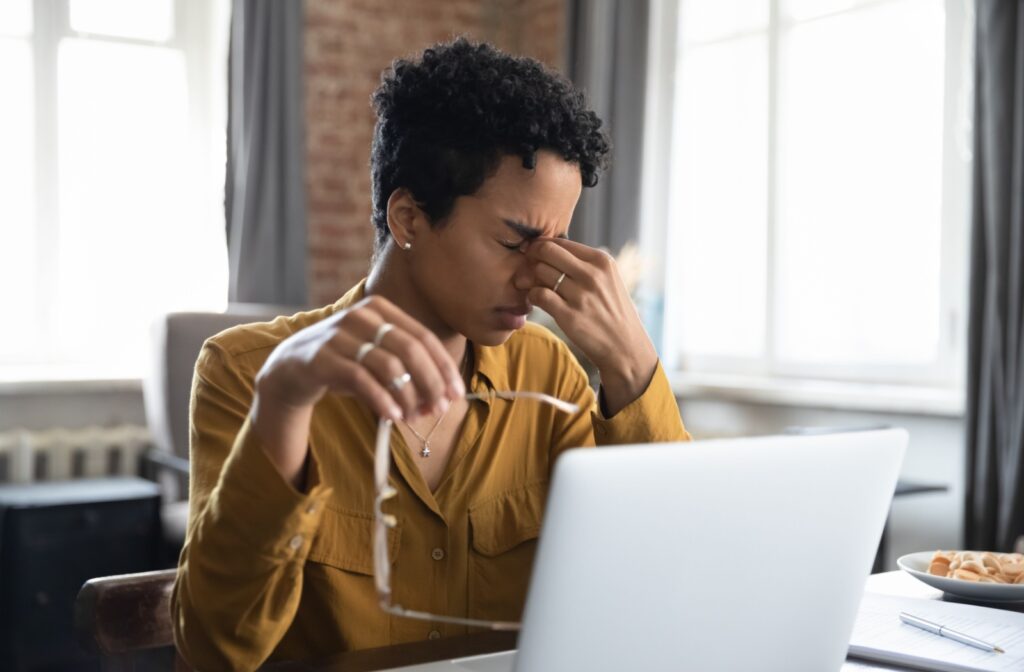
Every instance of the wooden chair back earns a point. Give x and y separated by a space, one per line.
126 620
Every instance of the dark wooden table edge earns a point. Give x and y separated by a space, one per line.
401 655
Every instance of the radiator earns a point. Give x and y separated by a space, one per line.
62 454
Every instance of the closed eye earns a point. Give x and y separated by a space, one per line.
512 245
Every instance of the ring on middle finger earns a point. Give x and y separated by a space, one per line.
363 351
382 331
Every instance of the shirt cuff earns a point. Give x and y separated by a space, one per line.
263 510
653 417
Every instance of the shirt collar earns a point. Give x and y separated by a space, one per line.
491 368
352 296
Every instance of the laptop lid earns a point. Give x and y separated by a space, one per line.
718 555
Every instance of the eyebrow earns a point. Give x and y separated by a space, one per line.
527 232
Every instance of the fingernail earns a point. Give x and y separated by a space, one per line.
442 405
395 413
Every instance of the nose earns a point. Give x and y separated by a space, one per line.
522 277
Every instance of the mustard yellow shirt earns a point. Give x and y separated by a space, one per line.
269 572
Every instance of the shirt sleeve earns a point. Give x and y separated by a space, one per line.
652 417
240 572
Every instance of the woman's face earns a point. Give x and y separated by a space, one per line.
464 268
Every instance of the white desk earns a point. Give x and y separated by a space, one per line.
896 583
900 584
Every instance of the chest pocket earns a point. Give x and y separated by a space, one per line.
345 541
338 591
503 534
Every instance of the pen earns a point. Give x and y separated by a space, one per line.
943 631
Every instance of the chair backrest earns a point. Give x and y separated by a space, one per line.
177 340
122 617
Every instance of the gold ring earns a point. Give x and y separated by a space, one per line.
558 283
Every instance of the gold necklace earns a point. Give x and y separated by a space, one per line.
425 440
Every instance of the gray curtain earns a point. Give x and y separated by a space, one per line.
994 516
265 190
608 61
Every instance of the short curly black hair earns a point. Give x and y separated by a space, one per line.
444 122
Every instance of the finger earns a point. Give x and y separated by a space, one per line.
376 310
552 304
360 328
550 252
345 376
384 367
415 359
550 277
447 367
589 255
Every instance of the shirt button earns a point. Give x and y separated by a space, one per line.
434 634
437 554
295 542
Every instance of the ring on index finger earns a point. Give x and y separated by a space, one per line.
398 382
363 351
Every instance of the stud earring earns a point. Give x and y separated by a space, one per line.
407 246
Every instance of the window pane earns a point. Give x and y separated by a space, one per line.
702 20
139 19
15 17
133 238
17 211
860 157
715 293
799 10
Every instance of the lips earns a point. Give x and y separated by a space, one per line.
516 310
513 317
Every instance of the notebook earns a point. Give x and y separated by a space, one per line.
878 635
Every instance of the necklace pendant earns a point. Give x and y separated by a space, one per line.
426 450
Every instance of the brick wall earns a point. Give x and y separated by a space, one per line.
348 44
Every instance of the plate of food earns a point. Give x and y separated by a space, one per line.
977 575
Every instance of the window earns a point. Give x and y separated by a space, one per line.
816 188
111 171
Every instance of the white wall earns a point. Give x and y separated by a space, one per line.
936 454
44 406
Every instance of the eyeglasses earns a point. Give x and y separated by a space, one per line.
384 521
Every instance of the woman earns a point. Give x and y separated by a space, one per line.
478 161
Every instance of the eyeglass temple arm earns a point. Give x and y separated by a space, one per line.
509 395
397 610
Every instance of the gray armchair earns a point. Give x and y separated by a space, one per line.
177 340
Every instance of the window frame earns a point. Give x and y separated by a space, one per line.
195 23
947 371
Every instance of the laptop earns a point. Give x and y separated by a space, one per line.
740 554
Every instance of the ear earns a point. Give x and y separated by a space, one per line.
405 218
